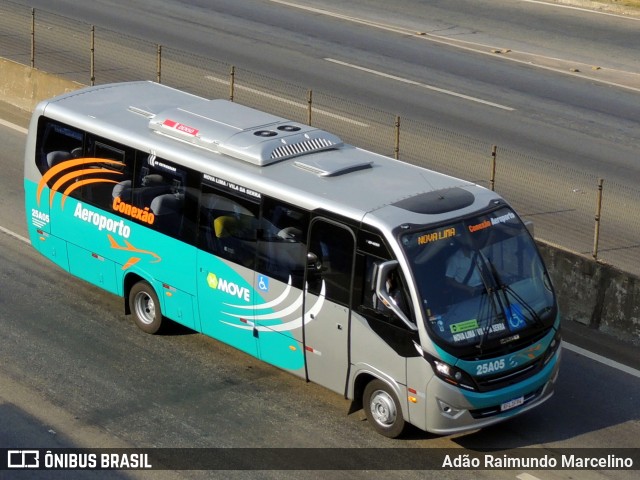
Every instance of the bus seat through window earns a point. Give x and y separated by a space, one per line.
167 209
56 157
293 234
225 229
122 190
151 186
225 226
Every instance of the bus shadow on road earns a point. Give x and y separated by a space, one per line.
174 329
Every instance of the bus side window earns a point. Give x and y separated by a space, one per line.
80 173
107 174
228 226
57 143
163 194
333 247
282 247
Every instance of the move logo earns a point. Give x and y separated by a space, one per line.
230 288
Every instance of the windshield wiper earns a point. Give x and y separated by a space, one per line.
493 297
506 290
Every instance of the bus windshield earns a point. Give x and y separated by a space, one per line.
481 281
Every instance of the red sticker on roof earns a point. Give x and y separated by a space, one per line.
180 127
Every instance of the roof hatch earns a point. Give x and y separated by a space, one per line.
241 132
332 166
438 201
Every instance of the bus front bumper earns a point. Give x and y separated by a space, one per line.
452 410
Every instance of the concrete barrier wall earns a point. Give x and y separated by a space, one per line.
591 293
23 86
595 294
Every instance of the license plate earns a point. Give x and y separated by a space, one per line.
516 402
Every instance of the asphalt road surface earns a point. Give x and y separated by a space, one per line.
75 372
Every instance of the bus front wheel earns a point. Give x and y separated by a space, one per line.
145 307
382 408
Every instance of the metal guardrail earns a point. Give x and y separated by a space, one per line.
570 208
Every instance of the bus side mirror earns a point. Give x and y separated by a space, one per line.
313 262
381 274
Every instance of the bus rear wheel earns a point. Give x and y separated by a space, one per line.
145 307
382 409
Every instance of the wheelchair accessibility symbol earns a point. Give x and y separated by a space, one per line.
263 283
515 317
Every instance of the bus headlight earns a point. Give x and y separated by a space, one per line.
452 375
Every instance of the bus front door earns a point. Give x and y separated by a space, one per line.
327 299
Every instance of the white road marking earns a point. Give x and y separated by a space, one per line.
587 10
418 84
475 47
526 476
289 102
604 360
13 126
349 18
15 235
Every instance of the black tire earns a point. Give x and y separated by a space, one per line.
382 408
145 307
